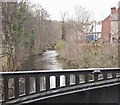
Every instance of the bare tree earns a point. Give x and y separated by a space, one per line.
81 14
63 17
7 9
14 25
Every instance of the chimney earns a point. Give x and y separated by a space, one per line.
113 10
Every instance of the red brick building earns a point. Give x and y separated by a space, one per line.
106 29
110 26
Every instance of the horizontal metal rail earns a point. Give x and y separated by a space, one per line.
16 85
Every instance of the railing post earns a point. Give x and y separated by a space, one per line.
57 81
96 77
47 82
77 79
96 73
6 97
114 74
37 79
86 77
104 75
67 80
16 85
27 85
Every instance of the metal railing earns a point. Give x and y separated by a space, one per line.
15 85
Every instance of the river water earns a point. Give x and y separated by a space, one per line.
47 61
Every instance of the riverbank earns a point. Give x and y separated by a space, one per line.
91 55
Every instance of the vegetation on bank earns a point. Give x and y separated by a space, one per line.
89 56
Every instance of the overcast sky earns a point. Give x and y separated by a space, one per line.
99 9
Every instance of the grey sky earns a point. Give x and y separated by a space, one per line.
99 9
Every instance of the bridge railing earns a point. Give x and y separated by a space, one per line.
15 85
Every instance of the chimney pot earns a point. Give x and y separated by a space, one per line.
113 10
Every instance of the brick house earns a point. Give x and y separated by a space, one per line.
110 26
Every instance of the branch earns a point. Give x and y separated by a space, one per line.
3 55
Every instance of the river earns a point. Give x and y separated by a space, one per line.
47 61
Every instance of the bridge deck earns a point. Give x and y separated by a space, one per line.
74 81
